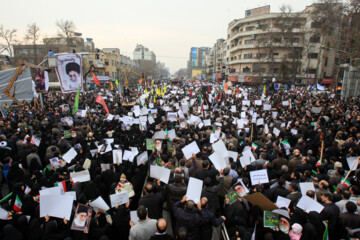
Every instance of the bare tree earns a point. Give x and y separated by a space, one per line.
8 37
66 28
32 35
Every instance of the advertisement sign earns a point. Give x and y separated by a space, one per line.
194 56
257 11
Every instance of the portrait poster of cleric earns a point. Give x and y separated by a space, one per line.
82 218
69 72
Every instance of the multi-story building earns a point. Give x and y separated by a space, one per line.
106 63
268 47
197 62
216 60
143 53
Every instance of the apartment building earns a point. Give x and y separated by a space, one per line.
143 53
197 64
266 47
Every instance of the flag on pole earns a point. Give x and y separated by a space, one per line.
62 186
17 204
111 86
264 89
226 87
117 82
96 80
254 146
76 104
190 92
346 183
318 163
101 101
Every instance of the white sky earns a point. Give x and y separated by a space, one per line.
167 27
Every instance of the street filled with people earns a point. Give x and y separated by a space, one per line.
181 161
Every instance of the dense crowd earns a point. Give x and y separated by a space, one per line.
304 137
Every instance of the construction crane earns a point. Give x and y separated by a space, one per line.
13 79
138 74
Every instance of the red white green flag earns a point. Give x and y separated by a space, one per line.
346 183
17 204
254 146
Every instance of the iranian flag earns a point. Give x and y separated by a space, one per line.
254 146
62 185
318 163
17 204
266 163
346 183
286 143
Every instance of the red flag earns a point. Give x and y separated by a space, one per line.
209 89
190 92
96 81
101 101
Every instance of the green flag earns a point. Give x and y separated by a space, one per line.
117 82
76 104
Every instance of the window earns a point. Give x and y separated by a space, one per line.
312 55
249 41
91 61
277 40
239 57
261 55
263 26
250 28
296 40
107 63
112 63
248 56
315 24
274 70
246 70
312 70
297 25
315 39
275 54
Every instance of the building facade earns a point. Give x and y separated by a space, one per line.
143 53
197 61
266 47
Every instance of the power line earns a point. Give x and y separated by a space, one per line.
160 56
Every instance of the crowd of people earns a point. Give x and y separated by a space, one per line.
296 136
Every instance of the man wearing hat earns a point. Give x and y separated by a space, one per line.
73 71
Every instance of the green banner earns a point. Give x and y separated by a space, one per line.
150 144
170 146
67 134
232 196
271 220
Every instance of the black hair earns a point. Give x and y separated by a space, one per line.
72 66
141 212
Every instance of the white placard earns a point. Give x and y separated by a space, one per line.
99 203
259 177
218 160
258 102
59 206
160 173
171 134
117 156
351 161
133 217
233 155
159 135
50 191
259 122
207 122
213 137
190 149
219 147
128 155
110 117
276 132
233 108
82 176
119 199
282 202
305 186
294 131
3 214
70 155
308 204
267 107
194 189
71 193
142 158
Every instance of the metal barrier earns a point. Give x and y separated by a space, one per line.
224 234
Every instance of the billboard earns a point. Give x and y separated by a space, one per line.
257 11
194 56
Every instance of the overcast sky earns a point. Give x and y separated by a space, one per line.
167 27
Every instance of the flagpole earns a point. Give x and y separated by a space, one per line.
252 130
347 175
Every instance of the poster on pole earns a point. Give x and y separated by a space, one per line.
69 72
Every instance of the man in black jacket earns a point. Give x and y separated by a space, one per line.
187 216
211 192
161 231
206 172
208 221
153 201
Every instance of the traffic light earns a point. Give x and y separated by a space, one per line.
143 76
339 88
